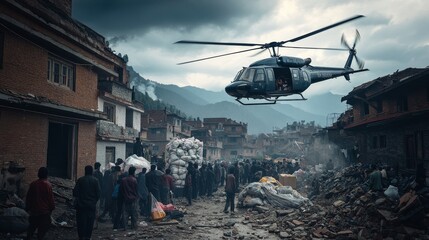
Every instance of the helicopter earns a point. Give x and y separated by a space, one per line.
278 77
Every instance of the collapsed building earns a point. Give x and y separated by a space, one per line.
387 123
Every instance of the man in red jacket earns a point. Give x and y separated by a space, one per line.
39 204
129 190
230 188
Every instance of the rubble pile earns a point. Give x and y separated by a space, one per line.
264 193
64 214
179 153
345 208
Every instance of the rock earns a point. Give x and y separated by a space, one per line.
284 235
261 209
297 223
338 203
380 201
344 232
284 212
272 228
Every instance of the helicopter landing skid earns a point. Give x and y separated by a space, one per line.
273 101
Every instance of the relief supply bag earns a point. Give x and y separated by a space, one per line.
156 213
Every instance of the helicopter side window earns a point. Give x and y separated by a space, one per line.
248 75
260 75
305 76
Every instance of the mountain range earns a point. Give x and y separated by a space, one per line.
196 102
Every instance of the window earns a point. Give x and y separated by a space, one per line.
270 74
61 73
248 74
364 109
306 78
260 76
379 106
109 110
233 153
295 74
129 118
402 104
110 154
378 142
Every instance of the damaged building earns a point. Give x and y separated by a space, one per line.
50 67
388 121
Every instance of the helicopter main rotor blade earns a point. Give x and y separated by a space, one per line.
226 54
317 48
321 29
219 43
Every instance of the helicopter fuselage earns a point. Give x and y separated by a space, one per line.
261 79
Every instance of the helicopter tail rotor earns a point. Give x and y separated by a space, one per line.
352 51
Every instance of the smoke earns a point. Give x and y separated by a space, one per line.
321 151
144 86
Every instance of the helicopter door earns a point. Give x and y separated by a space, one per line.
259 81
270 80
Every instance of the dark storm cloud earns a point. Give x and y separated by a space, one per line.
119 17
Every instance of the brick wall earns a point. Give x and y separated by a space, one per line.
25 71
23 138
87 146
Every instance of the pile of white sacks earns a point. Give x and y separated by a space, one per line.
179 153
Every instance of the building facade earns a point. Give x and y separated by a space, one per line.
117 134
389 119
49 68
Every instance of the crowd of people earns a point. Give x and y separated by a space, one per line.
121 196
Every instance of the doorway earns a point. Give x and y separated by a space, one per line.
61 149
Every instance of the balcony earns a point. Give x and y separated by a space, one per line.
109 131
117 90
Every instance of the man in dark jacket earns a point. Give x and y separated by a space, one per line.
39 204
143 194
87 193
210 180
202 183
230 191
130 196
153 182
195 181
99 175
106 192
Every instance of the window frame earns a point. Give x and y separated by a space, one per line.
61 73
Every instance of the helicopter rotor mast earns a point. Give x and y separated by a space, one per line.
270 46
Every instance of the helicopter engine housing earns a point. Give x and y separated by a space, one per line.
293 61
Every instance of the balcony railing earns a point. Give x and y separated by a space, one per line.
109 130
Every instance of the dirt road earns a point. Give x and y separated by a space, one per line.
204 219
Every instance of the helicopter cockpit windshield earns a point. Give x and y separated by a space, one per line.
245 74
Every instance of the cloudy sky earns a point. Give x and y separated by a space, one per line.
393 33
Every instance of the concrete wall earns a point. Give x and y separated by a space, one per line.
137 120
101 151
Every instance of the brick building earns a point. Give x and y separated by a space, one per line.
162 126
389 119
232 134
49 68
